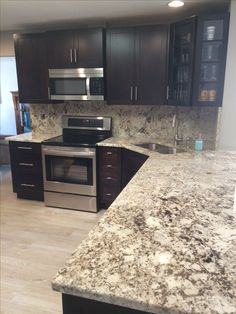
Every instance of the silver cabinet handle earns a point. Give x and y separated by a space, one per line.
28 185
25 164
109 178
24 147
71 56
167 92
49 93
75 55
109 166
131 93
108 194
136 92
109 153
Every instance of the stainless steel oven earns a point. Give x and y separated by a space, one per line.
70 177
69 163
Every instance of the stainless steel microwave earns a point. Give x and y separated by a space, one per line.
76 84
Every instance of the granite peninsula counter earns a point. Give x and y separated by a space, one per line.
167 244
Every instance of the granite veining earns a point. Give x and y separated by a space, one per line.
167 244
132 121
28 137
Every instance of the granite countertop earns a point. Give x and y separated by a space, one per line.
28 137
167 244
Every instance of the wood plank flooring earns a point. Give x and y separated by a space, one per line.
35 241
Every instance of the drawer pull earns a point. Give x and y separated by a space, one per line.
25 164
109 178
109 153
24 147
28 185
108 194
109 166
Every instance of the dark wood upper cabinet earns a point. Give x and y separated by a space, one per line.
181 62
120 65
136 65
75 49
151 64
210 60
32 70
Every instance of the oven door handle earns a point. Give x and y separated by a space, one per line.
62 153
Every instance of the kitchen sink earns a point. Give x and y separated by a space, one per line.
162 149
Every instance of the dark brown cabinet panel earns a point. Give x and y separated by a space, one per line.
109 175
120 66
60 47
131 162
136 65
210 61
151 64
26 168
75 49
181 62
31 64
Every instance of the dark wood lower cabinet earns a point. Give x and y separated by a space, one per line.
26 169
131 162
116 167
78 305
109 175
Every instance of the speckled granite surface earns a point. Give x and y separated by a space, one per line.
168 242
29 137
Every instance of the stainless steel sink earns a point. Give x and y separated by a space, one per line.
162 149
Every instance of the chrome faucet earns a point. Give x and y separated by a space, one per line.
175 125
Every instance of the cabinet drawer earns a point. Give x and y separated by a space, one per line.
110 170
28 165
29 182
109 179
109 192
25 148
109 156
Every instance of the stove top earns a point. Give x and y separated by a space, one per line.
82 131
80 141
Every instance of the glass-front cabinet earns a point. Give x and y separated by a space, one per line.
211 48
181 62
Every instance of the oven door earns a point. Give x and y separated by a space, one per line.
69 170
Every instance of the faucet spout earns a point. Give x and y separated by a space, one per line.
175 125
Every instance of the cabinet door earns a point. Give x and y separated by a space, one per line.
120 66
151 64
181 62
61 52
211 51
89 48
31 64
131 162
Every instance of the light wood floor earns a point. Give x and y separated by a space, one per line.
35 241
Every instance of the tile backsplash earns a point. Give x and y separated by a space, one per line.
132 121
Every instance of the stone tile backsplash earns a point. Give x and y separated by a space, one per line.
131 121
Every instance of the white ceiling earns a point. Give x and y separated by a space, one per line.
29 15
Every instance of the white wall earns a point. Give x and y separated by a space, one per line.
7 44
8 83
228 121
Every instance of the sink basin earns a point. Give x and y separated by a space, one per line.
162 149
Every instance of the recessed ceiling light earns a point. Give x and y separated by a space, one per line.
175 4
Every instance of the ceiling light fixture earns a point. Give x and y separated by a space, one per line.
175 4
